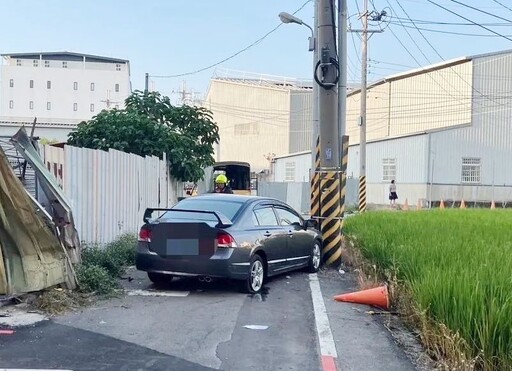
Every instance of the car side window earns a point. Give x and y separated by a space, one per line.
286 217
265 216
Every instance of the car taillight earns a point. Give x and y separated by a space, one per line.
225 240
144 235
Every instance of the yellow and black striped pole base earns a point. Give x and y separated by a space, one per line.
362 194
315 184
343 190
331 217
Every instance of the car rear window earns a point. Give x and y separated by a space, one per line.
228 208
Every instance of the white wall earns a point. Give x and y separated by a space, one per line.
301 163
109 191
61 95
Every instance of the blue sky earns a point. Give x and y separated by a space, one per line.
170 37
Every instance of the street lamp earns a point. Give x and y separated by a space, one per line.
288 18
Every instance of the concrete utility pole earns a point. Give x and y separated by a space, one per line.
146 83
362 119
375 16
327 77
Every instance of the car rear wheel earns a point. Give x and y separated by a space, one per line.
159 278
316 258
254 281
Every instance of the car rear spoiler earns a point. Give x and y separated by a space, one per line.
223 220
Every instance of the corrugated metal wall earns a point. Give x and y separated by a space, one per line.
489 138
301 119
16 161
109 191
253 121
414 104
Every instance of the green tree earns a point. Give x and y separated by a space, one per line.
151 125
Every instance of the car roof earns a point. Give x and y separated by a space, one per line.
233 197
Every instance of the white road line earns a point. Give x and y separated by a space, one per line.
30 369
323 328
179 294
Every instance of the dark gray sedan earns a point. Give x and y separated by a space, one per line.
246 238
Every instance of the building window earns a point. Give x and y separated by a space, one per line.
92 107
289 172
471 168
31 105
92 86
75 107
48 84
11 83
388 169
247 129
48 106
47 63
35 62
75 85
64 64
18 62
11 104
31 83
117 88
118 67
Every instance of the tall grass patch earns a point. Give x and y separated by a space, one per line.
457 265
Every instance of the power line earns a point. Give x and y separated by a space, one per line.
449 32
481 11
437 52
232 55
506 7
469 20
429 22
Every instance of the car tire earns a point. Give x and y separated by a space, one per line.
159 278
256 278
315 260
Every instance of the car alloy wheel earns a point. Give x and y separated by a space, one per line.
257 274
316 258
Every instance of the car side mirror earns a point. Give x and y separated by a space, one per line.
311 223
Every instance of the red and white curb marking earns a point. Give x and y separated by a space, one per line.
323 328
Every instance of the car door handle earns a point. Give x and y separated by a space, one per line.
267 234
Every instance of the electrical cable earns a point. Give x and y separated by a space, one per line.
469 20
232 55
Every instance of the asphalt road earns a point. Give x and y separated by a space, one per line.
202 326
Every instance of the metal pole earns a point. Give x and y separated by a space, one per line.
326 74
362 122
315 138
315 128
342 53
146 83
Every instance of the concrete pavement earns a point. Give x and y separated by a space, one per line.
199 326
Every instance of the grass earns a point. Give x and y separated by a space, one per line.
455 267
102 266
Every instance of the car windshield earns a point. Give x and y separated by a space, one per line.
227 208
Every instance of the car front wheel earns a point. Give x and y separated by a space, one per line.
315 258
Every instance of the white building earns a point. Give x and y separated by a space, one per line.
443 132
60 89
259 116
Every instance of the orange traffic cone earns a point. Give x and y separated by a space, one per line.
493 205
462 204
377 297
406 205
441 205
